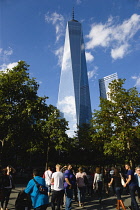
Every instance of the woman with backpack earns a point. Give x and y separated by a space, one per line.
35 189
81 178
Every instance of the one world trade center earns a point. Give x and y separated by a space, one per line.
74 98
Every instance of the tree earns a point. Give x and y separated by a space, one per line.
117 123
50 133
83 149
27 123
17 93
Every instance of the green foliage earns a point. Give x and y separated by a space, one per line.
117 123
17 93
26 121
84 136
53 129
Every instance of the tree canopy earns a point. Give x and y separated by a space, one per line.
117 123
26 121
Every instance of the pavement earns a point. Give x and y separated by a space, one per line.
108 203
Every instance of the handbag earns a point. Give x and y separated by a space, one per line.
42 189
95 186
122 180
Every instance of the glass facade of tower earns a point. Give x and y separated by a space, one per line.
104 83
74 97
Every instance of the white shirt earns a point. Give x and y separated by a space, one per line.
48 176
58 180
138 180
98 178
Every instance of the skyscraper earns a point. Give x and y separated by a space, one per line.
104 83
74 97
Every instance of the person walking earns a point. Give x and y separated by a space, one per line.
58 191
89 183
1 186
106 180
7 186
47 176
69 185
137 176
116 179
81 186
133 186
39 200
98 183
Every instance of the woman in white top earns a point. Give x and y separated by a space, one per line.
98 183
80 178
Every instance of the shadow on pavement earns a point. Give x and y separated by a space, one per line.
108 203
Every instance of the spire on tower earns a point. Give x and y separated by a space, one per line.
73 13
73 16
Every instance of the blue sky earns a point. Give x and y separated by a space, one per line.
34 31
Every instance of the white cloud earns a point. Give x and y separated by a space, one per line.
68 108
99 36
5 66
68 105
78 1
8 52
59 54
137 79
89 56
92 73
12 65
117 37
1 50
39 81
120 51
66 61
4 54
58 21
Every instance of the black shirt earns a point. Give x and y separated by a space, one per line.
117 181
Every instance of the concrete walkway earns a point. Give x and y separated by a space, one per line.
90 203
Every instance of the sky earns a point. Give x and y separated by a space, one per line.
34 31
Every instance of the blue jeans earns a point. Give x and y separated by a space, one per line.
69 197
81 194
99 191
49 188
118 191
132 190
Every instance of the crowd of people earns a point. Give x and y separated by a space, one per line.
66 183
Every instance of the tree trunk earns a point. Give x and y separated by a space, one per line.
47 157
1 151
130 156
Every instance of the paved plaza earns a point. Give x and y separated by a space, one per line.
90 203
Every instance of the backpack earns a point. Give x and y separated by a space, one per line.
42 189
23 201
